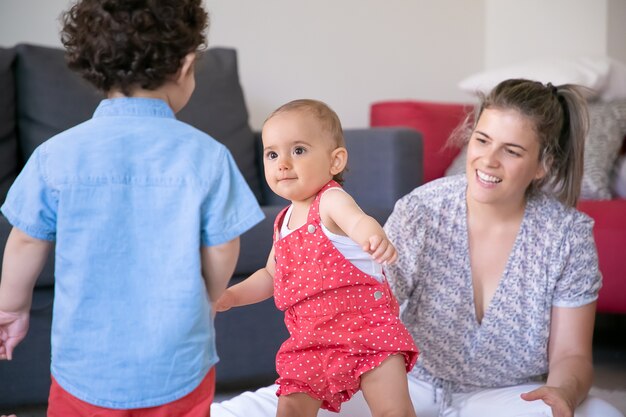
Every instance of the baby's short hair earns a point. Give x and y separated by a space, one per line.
321 111
123 44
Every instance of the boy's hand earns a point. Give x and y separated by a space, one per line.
13 328
225 302
381 249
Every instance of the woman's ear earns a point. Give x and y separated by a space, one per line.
543 168
339 160
187 67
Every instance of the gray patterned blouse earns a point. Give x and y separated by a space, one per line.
553 263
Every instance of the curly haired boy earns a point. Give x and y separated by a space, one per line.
145 212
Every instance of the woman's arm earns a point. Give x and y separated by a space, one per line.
257 287
570 360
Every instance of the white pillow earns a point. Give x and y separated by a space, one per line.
586 71
614 87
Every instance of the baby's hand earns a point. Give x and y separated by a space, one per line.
225 302
381 250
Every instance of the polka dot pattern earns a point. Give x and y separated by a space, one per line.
342 322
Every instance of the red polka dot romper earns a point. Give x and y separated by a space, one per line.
342 321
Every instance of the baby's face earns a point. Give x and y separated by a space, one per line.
297 155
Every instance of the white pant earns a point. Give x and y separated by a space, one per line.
500 402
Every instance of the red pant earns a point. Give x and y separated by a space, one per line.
195 404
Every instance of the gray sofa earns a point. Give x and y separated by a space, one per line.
41 97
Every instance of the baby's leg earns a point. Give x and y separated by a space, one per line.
386 390
297 404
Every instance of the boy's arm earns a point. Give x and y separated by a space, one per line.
24 258
256 288
338 209
218 265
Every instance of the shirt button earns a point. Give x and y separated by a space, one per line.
378 295
311 228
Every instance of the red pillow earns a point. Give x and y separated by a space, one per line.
434 120
608 231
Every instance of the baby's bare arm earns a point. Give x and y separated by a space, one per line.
256 288
339 208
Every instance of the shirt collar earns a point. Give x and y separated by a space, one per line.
133 106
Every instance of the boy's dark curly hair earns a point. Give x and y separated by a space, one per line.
124 44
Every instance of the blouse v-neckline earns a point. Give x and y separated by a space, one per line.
503 281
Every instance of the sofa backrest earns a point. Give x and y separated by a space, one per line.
10 159
51 98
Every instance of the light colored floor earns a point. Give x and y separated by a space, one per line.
609 364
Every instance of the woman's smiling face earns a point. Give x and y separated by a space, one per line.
502 158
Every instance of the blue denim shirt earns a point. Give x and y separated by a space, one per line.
130 196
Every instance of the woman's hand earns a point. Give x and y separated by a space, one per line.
555 398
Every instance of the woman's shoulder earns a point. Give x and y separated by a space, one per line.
436 193
548 212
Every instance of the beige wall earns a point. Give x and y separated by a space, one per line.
524 29
616 31
351 53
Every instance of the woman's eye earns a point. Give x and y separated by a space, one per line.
512 152
480 140
299 150
271 155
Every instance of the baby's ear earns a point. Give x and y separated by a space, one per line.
339 160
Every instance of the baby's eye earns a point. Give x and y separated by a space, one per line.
299 150
271 155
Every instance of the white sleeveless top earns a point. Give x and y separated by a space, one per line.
347 247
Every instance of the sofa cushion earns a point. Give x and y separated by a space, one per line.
10 161
434 120
52 98
618 185
607 127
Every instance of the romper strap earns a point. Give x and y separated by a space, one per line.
314 210
279 221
